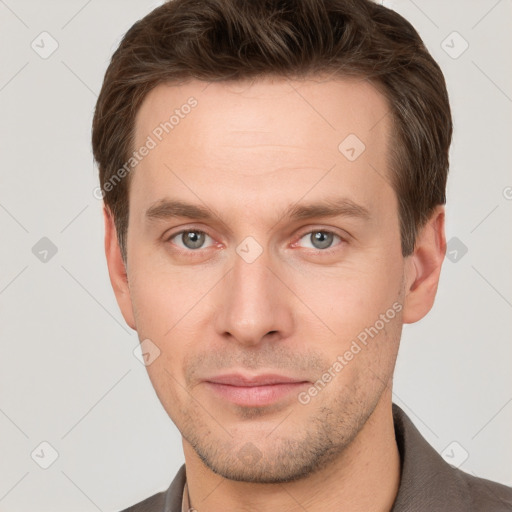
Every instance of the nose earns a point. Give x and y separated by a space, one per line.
254 304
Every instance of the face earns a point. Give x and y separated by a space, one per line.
264 265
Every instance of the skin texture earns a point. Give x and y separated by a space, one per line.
247 151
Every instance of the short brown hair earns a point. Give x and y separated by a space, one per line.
224 40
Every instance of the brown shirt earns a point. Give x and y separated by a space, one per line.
427 482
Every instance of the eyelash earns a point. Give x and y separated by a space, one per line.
327 251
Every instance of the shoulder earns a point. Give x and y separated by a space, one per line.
155 503
486 494
165 501
428 482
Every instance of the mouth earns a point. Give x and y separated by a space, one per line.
254 391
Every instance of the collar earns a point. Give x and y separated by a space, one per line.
426 480
185 502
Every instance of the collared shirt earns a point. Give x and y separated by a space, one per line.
427 482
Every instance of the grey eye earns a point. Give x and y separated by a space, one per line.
320 239
190 239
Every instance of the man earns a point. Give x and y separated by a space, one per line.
274 177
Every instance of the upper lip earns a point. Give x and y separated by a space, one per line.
237 379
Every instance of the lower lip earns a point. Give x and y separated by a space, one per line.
254 396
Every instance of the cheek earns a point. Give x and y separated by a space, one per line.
162 293
349 298
152 306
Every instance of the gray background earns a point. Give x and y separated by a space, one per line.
68 374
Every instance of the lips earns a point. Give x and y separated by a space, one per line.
253 391
235 379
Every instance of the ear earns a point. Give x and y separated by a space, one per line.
423 268
117 269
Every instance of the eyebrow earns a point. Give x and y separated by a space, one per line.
331 207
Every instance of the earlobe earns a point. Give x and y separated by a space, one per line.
423 268
117 269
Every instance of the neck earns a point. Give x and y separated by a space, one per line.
366 476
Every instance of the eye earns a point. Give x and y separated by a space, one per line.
320 239
191 239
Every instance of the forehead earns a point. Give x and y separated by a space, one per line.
262 110
256 137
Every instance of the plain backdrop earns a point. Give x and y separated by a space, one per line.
68 374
